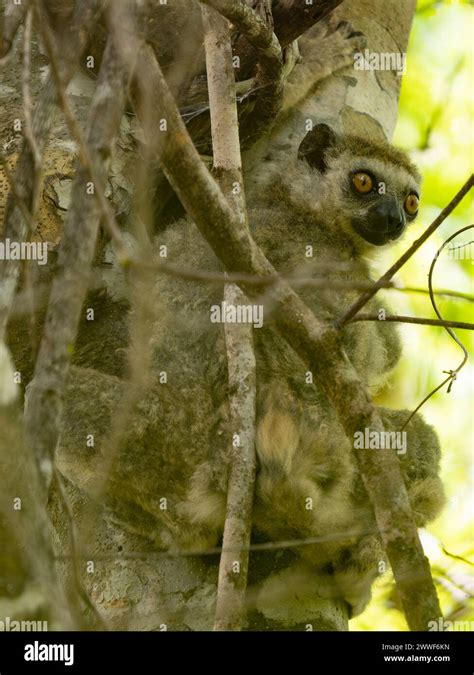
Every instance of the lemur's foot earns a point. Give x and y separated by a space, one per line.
342 42
331 48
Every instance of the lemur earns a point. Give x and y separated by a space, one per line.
344 197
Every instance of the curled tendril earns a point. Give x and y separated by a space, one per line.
452 374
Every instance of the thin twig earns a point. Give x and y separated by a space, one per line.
37 161
414 319
460 295
435 306
452 374
25 86
456 557
74 556
443 95
219 550
209 276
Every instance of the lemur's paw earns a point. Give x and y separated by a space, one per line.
351 584
342 41
427 498
355 586
356 572
331 48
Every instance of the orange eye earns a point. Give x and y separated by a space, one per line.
362 182
411 204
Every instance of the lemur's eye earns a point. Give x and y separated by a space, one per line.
362 182
411 204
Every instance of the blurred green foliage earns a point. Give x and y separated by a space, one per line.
435 124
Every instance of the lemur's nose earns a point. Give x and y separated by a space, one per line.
388 216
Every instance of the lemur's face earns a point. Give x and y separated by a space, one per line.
372 189
384 200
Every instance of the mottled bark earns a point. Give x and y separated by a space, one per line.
26 177
30 586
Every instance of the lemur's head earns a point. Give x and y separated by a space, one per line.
369 188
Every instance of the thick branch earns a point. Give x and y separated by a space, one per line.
233 567
77 250
269 78
11 21
256 31
318 345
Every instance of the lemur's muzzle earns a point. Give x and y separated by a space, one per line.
384 221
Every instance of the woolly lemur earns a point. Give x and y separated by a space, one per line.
340 199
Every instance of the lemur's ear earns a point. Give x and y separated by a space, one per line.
314 145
